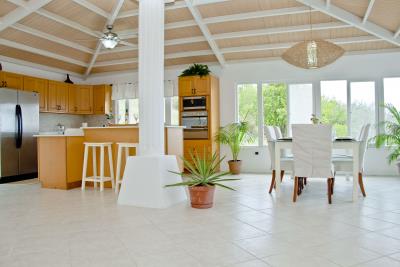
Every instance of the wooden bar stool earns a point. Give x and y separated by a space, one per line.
95 178
122 146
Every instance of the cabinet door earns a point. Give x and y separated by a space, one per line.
12 80
62 97
99 99
202 85
39 86
52 105
186 86
57 97
196 147
84 99
72 98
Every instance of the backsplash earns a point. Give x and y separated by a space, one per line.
48 121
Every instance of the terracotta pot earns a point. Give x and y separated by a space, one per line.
235 166
202 197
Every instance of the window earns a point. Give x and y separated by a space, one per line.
127 111
175 110
362 96
334 105
391 94
275 105
248 108
300 104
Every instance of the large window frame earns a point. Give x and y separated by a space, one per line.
316 94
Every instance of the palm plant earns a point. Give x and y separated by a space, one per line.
391 137
203 171
234 135
196 69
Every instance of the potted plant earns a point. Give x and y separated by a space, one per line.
234 135
196 69
202 179
391 137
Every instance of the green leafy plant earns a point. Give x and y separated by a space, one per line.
234 135
391 137
196 69
203 172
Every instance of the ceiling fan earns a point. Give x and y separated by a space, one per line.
110 39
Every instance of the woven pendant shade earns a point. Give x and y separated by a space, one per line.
312 54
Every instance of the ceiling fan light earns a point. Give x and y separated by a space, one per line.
110 40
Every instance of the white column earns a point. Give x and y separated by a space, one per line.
146 175
151 77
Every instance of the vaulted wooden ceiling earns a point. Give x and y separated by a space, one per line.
63 34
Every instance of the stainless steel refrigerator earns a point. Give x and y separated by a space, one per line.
19 121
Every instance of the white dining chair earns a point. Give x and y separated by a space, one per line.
312 155
345 163
286 162
278 132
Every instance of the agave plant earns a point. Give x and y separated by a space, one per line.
203 171
391 137
196 69
234 135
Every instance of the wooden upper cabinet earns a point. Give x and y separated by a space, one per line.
11 80
84 99
39 86
57 100
102 103
194 86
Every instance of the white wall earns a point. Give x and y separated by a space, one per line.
350 67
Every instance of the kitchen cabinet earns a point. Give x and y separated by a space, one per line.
80 99
39 86
207 86
57 97
102 103
194 85
11 80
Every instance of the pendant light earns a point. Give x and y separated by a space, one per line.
312 54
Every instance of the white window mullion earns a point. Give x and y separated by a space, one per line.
348 108
260 114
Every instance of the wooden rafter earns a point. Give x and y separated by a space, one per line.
110 21
352 20
206 32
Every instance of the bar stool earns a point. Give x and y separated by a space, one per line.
97 179
122 146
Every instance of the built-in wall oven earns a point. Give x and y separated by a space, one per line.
194 103
196 123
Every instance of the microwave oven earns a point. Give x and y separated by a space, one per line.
194 103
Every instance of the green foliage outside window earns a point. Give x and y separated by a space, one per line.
275 105
335 113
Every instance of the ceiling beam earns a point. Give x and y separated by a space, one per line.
276 46
206 32
38 66
368 11
88 5
21 12
134 13
352 19
206 2
51 38
110 21
41 52
397 33
258 14
278 30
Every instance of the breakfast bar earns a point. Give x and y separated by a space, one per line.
60 157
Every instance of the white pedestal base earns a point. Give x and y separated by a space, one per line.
144 182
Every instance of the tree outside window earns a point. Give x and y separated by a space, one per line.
275 105
248 108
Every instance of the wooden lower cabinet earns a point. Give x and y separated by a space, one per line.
60 161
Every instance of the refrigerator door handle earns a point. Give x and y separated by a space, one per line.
18 136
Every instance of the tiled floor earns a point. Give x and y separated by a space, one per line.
246 228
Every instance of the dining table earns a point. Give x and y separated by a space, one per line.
348 145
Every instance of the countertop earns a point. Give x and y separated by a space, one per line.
128 127
57 135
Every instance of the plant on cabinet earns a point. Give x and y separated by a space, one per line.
202 179
234 135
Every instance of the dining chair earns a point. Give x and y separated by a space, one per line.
286 162
312 155
345 163
278 132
